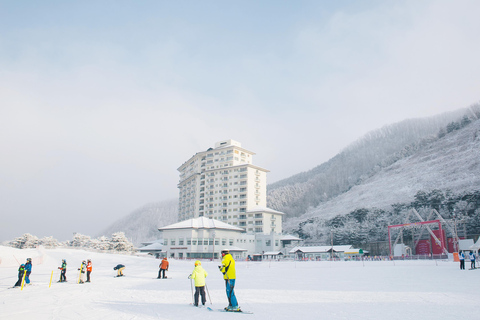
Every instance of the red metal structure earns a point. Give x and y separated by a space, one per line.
440 242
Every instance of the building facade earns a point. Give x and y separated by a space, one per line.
203 238
222 183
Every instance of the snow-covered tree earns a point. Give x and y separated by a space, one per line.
49 242
24 242
101 243
120 243
80 240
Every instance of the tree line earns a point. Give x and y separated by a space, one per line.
118 242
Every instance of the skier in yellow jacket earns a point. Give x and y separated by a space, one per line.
199 274
229 274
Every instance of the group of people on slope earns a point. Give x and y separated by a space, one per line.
86 266
471 256
229 275
198 274
24 272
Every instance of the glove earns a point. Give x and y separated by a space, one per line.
189 276
219 267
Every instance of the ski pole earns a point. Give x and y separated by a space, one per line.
50 284
208 294
191 286
23 279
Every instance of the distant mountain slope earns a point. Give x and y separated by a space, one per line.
142 224
450 163
359 161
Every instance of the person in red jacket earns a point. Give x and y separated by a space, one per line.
163 267
89 269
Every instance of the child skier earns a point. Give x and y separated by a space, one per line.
21 274
82 272
63 271
89 269
28 268
461 257
199 274
472 259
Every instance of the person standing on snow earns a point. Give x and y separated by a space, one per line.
461 257
199 274
63 271
89 269
472 259
82 272
163 267
28 268
21 274
229 274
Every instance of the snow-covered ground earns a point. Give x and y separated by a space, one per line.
272 290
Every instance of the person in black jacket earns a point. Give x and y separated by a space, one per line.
21 274
119 269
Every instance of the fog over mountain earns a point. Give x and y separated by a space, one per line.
143 223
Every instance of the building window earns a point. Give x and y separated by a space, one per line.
230 242
165 242
172 242
180 242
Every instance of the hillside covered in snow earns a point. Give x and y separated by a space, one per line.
442 175
358 162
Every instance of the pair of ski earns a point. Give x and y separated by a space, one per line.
224 310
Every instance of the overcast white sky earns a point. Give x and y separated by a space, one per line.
101 101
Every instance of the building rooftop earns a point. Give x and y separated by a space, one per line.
201 223
290 237
319 249
263 209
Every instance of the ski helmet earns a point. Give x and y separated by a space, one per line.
198 263
29 259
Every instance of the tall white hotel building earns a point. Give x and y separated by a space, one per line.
222 183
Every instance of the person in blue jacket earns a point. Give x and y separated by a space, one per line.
28 268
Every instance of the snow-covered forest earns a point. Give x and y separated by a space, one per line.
363 159
118 242
364 226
